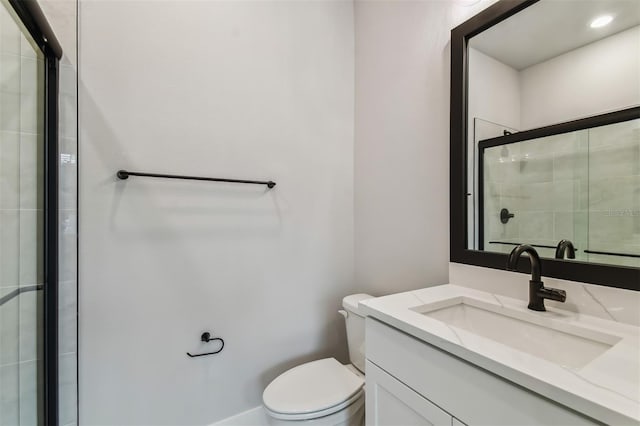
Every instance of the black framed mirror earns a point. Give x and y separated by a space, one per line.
545 137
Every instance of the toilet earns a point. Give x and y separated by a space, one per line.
323 392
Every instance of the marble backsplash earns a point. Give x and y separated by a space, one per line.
604 302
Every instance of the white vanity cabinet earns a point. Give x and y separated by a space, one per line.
410 382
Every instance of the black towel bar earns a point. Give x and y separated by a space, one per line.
124 174
611 253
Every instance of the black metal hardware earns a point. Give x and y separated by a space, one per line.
505 215
4 299
609 253
36 23
599 120
124 174
537 291
534 258
51 259
568 246
206 337
532 245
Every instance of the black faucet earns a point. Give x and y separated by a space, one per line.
537 291
568 246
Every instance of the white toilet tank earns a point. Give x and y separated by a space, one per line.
354 320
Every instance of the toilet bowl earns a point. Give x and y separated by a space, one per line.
323 392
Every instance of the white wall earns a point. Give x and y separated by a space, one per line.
494 91
402 141
237 89
593 79
600 77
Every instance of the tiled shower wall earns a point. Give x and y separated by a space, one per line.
21 204
543 183
583 186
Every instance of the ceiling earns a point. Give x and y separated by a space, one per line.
552 27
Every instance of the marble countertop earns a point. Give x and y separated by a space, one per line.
606 389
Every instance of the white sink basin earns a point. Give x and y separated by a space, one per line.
539 334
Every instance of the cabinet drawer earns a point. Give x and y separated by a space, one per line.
391 403
473 395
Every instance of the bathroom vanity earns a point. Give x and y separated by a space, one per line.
451 355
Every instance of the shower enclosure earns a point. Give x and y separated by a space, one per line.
29 54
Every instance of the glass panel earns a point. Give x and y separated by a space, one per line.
482 129
614 194
21 222
543 184
67 309
582 186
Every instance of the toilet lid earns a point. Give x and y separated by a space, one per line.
312 387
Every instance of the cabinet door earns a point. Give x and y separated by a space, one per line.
391 403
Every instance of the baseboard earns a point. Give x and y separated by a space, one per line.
253 417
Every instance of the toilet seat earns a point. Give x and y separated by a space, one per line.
312 390
355 401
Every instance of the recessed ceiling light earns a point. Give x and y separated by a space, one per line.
601 21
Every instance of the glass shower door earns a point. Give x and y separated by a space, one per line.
21 223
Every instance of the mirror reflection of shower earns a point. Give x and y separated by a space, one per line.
482 129
563 186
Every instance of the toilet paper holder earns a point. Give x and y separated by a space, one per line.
206 337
